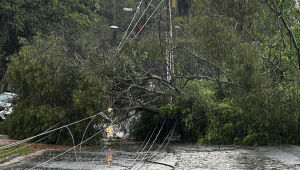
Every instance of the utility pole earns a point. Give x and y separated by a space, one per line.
169 41
114 41
114 12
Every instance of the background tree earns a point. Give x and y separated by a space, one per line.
23 19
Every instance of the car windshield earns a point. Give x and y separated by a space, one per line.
6 97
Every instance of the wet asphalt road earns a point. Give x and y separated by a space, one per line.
180 157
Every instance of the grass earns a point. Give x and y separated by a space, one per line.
19 150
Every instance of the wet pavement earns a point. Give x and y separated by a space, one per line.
171 157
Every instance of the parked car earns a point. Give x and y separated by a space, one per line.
6 106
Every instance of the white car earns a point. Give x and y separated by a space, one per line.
6 106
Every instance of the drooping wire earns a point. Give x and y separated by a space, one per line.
112 123
70 148
74 146
86 130
44 133
146 139
104 145
67 150
143 148
167 137
13 151
151 144
171 132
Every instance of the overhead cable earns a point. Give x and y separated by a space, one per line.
136 12
135 25
50 131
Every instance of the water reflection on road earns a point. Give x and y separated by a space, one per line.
180 157
109 157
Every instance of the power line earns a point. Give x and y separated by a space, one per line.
112 123
149 18
47 132
68 149
73 145
136 24
106 143
155 154
29 144
86 129
168 136
145 140
136 12
143 148
152 143
144 24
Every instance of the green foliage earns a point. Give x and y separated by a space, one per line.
188 112
226 124
245 39
52 90
263 118
33 120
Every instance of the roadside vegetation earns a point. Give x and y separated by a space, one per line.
8 154
236 76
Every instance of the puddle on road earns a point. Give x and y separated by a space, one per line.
182 157
93 159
